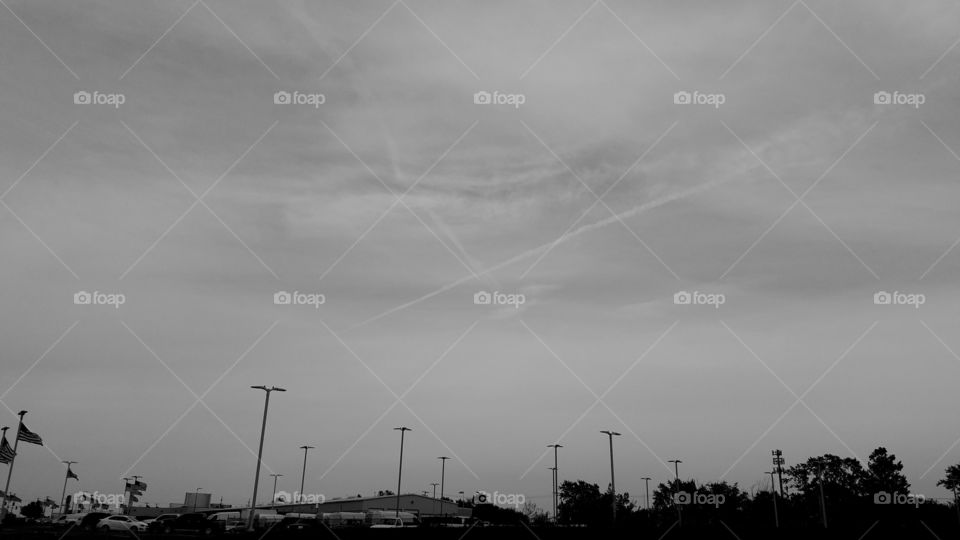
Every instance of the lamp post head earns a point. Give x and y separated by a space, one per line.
610 433
307 447
554 446
402 429
269 389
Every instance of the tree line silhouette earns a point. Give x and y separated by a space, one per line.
839 493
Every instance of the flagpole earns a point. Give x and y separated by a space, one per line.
6 488
64 494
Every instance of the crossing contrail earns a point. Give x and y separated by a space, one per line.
636 210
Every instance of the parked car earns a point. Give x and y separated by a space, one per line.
191 523
157 523
67 520
227 521
388 523
90 520
299 522
121 523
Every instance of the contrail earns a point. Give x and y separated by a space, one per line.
649 205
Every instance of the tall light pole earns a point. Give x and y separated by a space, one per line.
773 490
676 487
304 475
64 494
434 484
196 494
646 480
443 474
274 499
556 477
403 430
263 431
613 482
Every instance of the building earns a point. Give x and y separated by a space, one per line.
12 504
196 500
409 502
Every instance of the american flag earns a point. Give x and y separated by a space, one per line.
6 453
28 436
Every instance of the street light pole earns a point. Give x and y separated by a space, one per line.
403 430
274 499
646 480
553 478
676 487
556 478
434 484
263 431
613 482
304 475
443 474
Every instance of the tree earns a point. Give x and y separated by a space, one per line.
843 478
884 474
534 514
579 502
32 510
951 481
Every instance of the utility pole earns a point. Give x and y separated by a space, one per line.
613 482
402 430
274 499
773 490
443 476
676 488
556 480
646 480
778 466
263 431
304 475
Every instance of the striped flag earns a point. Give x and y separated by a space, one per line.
28 436
6 453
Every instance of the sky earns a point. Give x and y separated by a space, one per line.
588 194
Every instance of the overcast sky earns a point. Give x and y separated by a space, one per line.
797 199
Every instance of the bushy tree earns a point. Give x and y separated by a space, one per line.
884 474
